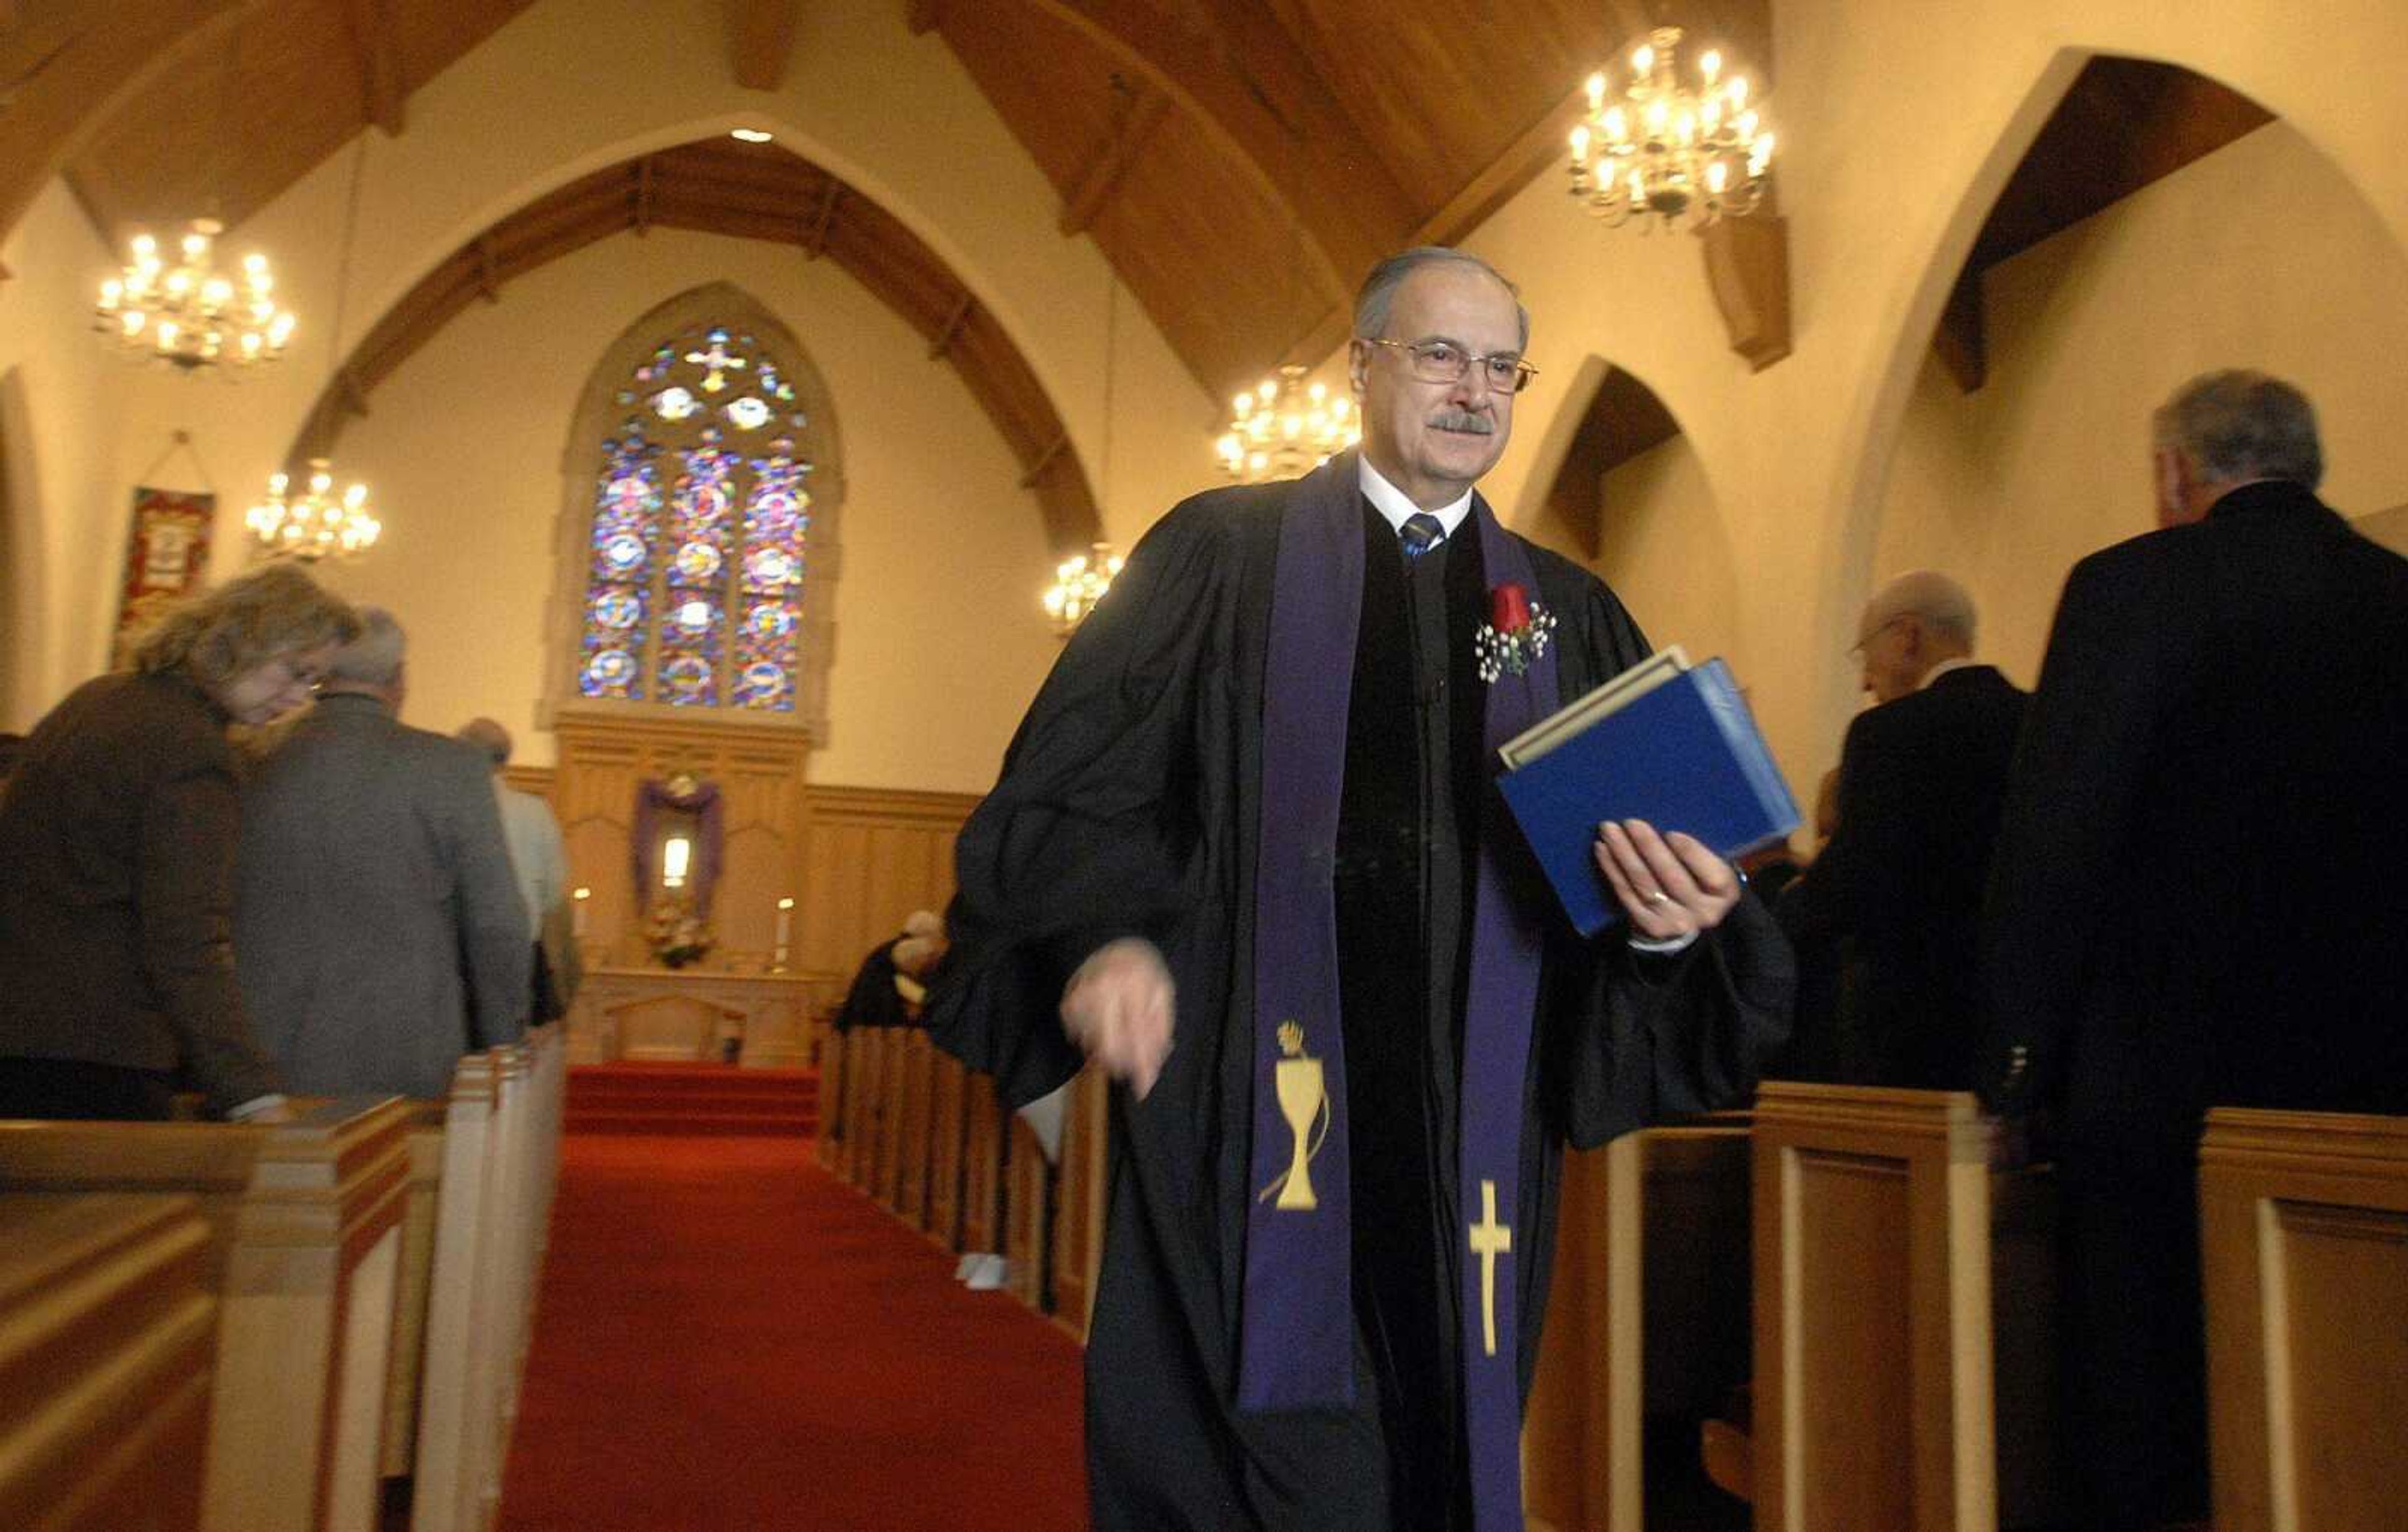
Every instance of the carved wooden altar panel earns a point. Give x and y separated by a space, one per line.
855 861
691 1015
604 760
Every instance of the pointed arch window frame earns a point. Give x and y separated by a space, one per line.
598 421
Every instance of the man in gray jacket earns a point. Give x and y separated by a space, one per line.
379 933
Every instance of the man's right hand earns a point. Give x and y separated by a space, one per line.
1118 1007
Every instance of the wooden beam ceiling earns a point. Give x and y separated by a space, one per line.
381 86
752 191
2122 124
761 40
1300 139
1138 114
228 111
67 67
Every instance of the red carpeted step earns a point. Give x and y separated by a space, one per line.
710 1099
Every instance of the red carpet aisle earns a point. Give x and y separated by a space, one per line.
730 1341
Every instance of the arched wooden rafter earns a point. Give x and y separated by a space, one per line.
754 192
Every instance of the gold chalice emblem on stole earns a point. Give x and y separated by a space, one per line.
1304 1101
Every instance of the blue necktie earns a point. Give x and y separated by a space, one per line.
1420 534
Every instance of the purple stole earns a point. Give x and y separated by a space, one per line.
1296 1330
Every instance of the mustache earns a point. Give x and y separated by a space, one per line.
1463 419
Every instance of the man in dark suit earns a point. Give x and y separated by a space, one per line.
2189 904
1920 782
378 930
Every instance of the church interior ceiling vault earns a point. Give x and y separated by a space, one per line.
1240 162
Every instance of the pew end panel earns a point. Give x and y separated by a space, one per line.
1648 1314
107 1341
2303 1231
1078 1245
948 1117
1874 1400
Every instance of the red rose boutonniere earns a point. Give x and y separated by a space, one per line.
1516 633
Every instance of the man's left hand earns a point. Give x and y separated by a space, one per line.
1670 886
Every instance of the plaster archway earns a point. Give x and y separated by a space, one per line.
1898 354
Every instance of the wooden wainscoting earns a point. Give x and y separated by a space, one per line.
870 857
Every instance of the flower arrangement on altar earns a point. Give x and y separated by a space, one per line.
677 936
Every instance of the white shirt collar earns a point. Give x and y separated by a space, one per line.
1962 662
1392 503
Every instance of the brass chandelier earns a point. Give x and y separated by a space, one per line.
317 524
1682 146
1285 427
188 314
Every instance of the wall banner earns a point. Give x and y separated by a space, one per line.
164 559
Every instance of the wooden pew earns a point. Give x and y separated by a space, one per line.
1078 1243
1881 1239
500 1150
2303 1246
414 1286
918 1079
1647 1315
983 1136
948 1113
830 1148
868 1112
895 1053
1029 1182
304 1223
107 1340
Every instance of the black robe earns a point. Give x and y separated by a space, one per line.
1128 806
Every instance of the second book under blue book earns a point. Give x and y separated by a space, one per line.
1684 755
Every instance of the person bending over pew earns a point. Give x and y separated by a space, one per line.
118 830
2189 901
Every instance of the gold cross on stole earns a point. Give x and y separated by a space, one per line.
1489 1239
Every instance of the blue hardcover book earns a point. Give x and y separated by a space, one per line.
1677 749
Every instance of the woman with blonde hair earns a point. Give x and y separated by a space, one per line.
118 830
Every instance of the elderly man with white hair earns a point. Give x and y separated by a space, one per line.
379 933
1921 779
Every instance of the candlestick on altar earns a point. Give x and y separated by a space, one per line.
577 913
785 932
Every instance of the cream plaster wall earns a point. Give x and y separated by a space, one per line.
2089 331
1662 546
939 642
59 393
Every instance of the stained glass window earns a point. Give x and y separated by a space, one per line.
693 592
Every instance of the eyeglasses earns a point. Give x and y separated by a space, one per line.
1859 648
1444 362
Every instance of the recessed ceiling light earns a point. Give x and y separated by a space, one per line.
750 135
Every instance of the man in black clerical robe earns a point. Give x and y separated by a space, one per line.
1115 898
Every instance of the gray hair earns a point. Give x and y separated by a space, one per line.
1378 292
374 658
488 735
1944 605
2237 425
